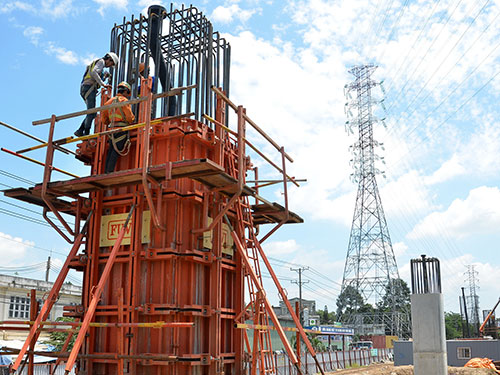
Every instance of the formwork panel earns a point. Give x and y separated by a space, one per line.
171 277
163 296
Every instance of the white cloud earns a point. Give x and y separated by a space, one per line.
400 249
479 213
104 4
147 3
11 6
52 8
406 194
228 14
288 93
13 248
278 248
58 9
33 33
449 169
62 54
454 277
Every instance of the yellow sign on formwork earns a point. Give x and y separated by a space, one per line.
227 240
111 225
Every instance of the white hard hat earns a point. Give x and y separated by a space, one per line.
114 57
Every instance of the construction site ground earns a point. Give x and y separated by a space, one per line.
390 369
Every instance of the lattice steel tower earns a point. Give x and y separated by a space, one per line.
370 263
473 298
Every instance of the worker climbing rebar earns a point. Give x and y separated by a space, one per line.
119 142
91 81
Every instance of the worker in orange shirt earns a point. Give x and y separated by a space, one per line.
119 142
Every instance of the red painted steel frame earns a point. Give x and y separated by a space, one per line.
175 266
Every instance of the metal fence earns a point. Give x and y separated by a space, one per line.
331 360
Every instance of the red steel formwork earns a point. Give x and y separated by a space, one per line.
169 248
168 243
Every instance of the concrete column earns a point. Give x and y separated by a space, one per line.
427 316
429 335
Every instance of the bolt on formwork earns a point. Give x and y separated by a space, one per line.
169 243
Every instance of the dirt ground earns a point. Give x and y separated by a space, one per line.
390 369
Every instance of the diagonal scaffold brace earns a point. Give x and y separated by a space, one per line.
97 295
260 288
52 297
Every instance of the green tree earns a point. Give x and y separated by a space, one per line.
349 301
396 297
326 317
58 338
453 323
316 343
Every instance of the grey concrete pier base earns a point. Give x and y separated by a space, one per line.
429 334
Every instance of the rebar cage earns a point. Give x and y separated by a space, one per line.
425 275
180 48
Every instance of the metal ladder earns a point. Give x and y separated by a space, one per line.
262 336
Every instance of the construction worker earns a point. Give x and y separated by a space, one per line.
92 80
119 142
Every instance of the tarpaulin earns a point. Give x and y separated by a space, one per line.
481 363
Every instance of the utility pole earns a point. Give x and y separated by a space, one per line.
47 270
465 310
300 283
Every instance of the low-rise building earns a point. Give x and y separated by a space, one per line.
15 298
310 315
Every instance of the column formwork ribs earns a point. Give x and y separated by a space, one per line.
167 244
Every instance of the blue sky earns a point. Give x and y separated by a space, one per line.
439 61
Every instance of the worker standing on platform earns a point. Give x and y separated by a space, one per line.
92 80
119 142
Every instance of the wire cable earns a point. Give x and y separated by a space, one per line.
16 177
428 50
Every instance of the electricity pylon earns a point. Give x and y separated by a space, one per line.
473 298
370 263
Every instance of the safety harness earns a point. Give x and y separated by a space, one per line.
87 75
113 117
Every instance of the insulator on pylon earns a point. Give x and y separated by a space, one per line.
382 88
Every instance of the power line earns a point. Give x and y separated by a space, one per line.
26 218
10 187
23 217
27 209
36 266
425 55
405 60
453 113
286 264
454 90
68 276
401 12
428 50
16 177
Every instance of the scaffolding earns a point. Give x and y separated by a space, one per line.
170 243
